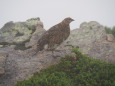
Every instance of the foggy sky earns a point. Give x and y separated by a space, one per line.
52 12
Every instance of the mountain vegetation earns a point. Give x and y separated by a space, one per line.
78 70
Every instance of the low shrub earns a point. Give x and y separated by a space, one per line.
80 70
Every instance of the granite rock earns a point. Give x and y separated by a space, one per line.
2 62
92 40
19 33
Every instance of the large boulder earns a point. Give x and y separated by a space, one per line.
91 38
85 35
19 33
15 33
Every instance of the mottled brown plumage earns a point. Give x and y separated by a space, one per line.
55 35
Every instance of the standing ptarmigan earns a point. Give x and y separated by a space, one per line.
55 35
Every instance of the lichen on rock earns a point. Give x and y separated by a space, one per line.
92 40
32 22
1 45
20 32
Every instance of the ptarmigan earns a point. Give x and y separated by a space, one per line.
55 35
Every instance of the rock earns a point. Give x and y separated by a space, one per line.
91 39
33 22
2 62
103 50
85 35
1 46
12 46
20 64
19 33
2 71
35 36
110 38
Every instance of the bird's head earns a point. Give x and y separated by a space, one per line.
68 20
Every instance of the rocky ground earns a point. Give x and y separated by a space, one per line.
18 42
20 65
